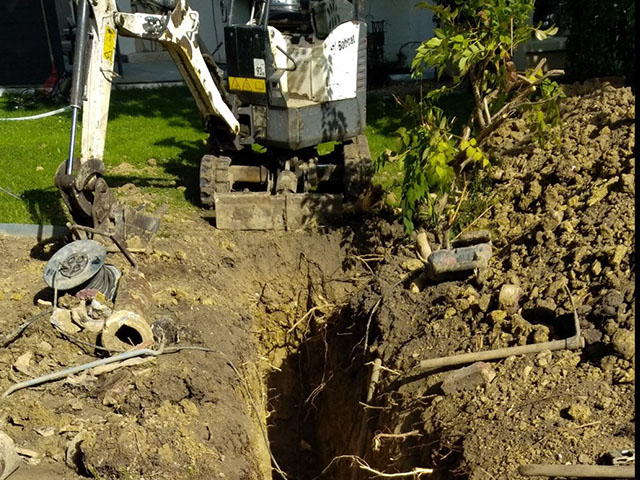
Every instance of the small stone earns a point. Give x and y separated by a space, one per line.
468 378
497 174
596 268
450 312
483 302
610 326
509 297
628 183
152 162
44 348
27 452
623 343
579 413
540 334
61 318
22 363
412 265
543 358
422 245
619 253
599 193
584 459
497 316
45 431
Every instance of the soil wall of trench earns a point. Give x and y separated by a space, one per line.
293 323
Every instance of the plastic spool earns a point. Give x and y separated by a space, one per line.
81 264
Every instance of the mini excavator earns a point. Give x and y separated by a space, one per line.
295 78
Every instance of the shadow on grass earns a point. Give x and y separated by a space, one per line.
384 115
186 167
174 103
45 206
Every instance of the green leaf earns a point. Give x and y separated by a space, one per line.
540 35
434 42
470 152
458 39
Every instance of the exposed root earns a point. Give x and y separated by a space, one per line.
377 439
416 473
310 312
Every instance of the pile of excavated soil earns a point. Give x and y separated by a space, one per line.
561 217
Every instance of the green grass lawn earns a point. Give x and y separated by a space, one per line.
162 124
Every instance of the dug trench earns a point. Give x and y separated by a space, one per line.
310 342
268 365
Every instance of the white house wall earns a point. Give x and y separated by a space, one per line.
211 32
403 23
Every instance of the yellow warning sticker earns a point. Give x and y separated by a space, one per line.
109 44
256 85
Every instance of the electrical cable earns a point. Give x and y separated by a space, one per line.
36 117
105 281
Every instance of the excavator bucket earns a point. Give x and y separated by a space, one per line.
95 210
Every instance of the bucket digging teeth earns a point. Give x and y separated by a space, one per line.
95 210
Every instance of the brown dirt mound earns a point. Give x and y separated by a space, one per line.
562 216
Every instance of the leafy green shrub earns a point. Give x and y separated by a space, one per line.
474 42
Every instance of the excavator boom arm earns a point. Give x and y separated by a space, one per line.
177 31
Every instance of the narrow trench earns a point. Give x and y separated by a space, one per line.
316 405
315 401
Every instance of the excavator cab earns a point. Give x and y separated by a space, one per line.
295 78
296 71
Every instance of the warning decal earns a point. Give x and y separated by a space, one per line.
256 85
109 44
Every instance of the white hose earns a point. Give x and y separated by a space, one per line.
35 117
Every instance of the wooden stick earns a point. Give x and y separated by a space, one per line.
578 471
